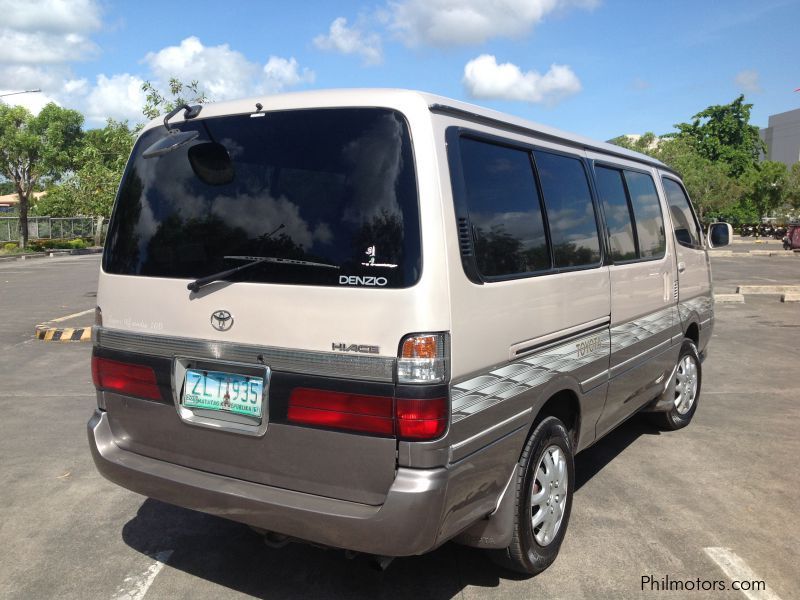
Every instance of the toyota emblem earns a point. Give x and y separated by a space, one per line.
221 320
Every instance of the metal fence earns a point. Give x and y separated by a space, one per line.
45 228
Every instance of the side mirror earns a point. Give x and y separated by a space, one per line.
719 234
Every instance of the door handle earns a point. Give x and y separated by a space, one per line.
681 267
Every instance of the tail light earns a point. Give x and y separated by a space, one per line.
125 378
408 419
338 410
423 358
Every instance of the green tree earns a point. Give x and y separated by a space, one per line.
36 149
714 193
723 133
179 93
646 143
90 191
793 186
766 186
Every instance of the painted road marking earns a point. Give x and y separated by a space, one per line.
737 570
134 587
77 314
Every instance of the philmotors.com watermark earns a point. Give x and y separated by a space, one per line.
651 583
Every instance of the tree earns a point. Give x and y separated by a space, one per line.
35 149
181 93
793 186
766 186
723 133
712 190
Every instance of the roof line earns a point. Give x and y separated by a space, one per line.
513 127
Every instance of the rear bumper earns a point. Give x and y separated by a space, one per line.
407 523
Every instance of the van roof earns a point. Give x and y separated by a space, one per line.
436 103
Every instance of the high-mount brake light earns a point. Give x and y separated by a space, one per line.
423 358
125 378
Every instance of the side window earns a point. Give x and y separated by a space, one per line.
570 212
617 212
504 209
647 214
687 231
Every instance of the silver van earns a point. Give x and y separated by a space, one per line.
380 320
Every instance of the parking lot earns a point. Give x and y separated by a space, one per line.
646 503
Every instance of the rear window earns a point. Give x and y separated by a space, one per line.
333 187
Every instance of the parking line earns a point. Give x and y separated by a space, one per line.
134 587
77 314
737 570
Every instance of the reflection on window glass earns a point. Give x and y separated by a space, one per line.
570 214
686 229
504 209
647 214
334 187
618 215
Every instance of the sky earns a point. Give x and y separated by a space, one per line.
600 68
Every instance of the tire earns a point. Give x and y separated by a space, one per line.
538 528
686 390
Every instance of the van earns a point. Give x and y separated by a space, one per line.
380 320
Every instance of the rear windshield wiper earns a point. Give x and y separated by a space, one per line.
253 261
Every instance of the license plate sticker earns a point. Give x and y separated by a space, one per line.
216 390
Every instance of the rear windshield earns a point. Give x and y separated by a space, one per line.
332 187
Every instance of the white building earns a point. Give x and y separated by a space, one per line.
782 137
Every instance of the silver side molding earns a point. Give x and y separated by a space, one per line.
309 362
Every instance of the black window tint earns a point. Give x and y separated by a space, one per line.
504 209
330 186
570 213
618 214
686 228
647 214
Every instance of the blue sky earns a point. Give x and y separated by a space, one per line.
595 67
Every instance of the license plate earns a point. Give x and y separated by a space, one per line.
215 390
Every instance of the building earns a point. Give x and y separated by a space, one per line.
782 137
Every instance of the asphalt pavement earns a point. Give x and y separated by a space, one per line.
646 504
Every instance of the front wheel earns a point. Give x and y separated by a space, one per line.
686 386
543 501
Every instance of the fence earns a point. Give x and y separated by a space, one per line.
45 228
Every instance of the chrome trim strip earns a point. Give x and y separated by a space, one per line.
598 376
490 430
368 368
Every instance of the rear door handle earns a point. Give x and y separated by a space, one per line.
681 267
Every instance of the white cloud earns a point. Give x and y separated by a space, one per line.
351 40
280 73
224 73
748 81
484 78
461 22
119 97
47 31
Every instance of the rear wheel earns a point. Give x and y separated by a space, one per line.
545 482
688 377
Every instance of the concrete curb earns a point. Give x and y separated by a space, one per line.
795 297
49 332
51 254
729 298
65 334
768 289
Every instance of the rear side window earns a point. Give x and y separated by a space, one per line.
687 231
611 188
504 209
647 213
570 212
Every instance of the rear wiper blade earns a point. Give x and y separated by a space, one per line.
253 261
